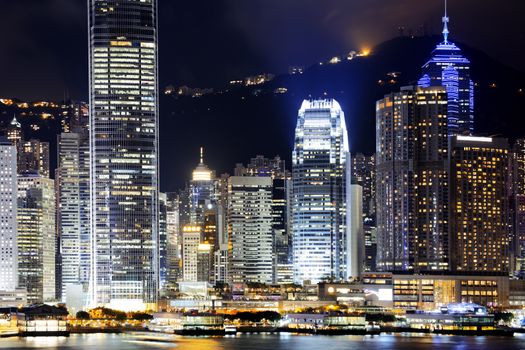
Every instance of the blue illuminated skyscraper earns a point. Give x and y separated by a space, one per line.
449 68
320 172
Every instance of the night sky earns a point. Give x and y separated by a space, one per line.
43 51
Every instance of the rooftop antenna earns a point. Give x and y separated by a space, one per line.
445 21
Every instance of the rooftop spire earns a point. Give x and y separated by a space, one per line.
15 122
445 21
202 155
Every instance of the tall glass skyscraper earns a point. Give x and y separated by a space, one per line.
320 172
449 68
412 180
124 150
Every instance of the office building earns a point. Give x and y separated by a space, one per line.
363 174
320 172
73 228
370 237
517 207
14 133
250 229
203 193
479 204
281 210
124 153
163 242
8 212
356 241
173 230
191 239
412 180
36 237
34 157
450 69
205 270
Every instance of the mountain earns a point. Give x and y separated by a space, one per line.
236 124
242 122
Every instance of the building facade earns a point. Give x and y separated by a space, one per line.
34 157
8 212
412 180
36 237
124 150
479 204
281 210
320 172
191 240
72 179
250 230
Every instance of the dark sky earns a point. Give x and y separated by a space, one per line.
43 47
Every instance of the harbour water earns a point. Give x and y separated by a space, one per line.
266 341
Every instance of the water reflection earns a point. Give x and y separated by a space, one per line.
263 342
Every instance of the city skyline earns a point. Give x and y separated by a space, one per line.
308 232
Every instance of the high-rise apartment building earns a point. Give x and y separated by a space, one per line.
8 222
412 180
36 237
124 152
320 173
479 204
250 230
450 69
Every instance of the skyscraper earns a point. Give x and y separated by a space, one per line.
281 211
8 222
163 241
479 204
449 68
36 236
250 229
124 152
14 133
191 239
173 230
356 240
204 211
320 173
203 193
363 174
34 157
412 180
72 178
517 202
